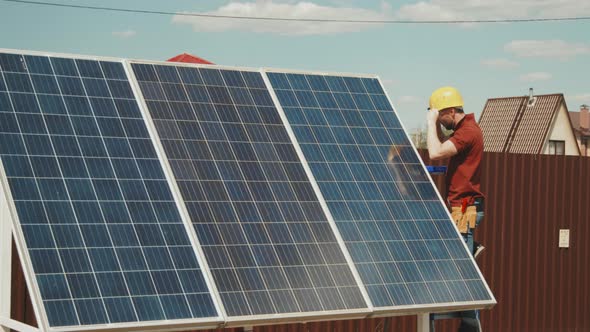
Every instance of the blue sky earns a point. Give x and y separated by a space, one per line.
482 60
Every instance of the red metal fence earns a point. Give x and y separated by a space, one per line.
539 287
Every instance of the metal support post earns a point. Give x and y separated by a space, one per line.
5 262
423 322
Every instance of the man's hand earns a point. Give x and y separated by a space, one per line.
432 116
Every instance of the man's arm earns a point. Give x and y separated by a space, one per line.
436 149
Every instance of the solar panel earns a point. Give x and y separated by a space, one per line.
93 209
237 195
267 241
395 226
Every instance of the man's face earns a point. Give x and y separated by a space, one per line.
447 118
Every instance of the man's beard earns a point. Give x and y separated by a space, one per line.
449 126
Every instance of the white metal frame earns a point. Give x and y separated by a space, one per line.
423 323
8 211
5 261
11 324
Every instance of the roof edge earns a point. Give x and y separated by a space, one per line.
526 96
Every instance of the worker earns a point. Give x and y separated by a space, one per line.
464 148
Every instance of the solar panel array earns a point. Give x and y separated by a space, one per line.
268 243
394 224
103 233
218 194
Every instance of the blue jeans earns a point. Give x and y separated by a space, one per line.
468 237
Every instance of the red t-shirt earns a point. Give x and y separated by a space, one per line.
464 171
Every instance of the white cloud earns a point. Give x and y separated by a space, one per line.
535 77
299 10
389 82
499 63
556 49
125 34
430 11
408 99
435 10
492 9
584 98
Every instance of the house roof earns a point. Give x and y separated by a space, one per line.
514 125
189 58
496 121
575 119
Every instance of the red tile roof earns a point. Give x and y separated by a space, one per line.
515 125
189 58
575 119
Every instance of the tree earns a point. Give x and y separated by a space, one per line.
418 137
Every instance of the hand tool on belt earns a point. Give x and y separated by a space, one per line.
464 215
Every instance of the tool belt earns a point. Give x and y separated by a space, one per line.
465 216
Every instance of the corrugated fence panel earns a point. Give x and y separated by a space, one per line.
369 325
539 287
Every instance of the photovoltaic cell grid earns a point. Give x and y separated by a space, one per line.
394 225
264 234
103 233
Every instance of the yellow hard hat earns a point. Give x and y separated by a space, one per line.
445 97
